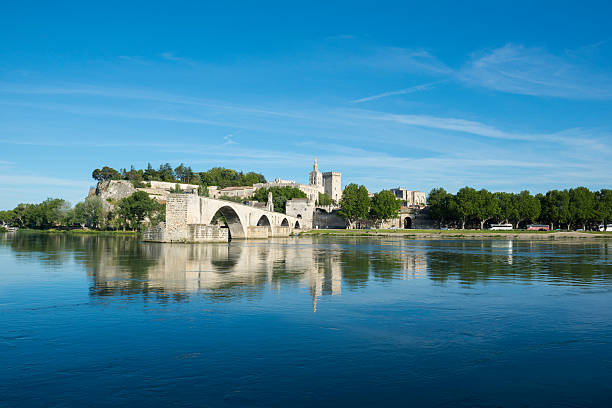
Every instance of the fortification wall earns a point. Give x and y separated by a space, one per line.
322 219
301 209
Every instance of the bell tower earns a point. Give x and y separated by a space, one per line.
315 178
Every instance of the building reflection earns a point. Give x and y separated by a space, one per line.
221 271
126 268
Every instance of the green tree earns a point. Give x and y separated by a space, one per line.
7 217
166 173
508 210
555 208
528 207
107 173
604 206
150 174
48 214
134 209
465 205
89 213
355 203
439 203
384 206
324 199
179 172
582 206
20 215
280 195
487 206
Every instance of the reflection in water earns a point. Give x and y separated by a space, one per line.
124 266
111 321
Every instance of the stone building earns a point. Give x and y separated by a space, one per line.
332 181
329 182
410 197
241 191
302 209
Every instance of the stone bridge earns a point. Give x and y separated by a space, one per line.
191 218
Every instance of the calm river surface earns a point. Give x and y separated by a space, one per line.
90 321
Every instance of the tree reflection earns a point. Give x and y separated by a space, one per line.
124 267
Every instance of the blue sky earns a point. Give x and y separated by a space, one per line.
501 96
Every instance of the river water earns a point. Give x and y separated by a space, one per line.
89 321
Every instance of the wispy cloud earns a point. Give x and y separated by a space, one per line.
229 140
405 59
135 59
169 56
535 71
410 90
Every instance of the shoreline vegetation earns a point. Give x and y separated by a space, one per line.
457 234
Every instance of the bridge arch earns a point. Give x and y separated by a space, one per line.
297 225
228 216
284 223
264 221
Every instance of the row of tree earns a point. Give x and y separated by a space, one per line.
217 176
356 205
576 207
131 213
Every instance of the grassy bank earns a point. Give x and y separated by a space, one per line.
443 234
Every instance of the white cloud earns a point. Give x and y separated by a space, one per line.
169 56
410 90
404 59
535 71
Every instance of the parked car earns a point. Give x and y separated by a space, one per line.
605 227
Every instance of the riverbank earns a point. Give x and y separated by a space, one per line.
453 234
78 232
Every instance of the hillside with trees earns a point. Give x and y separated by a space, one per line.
217 176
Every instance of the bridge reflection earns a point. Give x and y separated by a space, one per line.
225 272
128 269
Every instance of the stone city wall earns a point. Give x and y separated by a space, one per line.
323 219
302 209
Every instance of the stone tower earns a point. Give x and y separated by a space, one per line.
332 182
270 203
315 178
